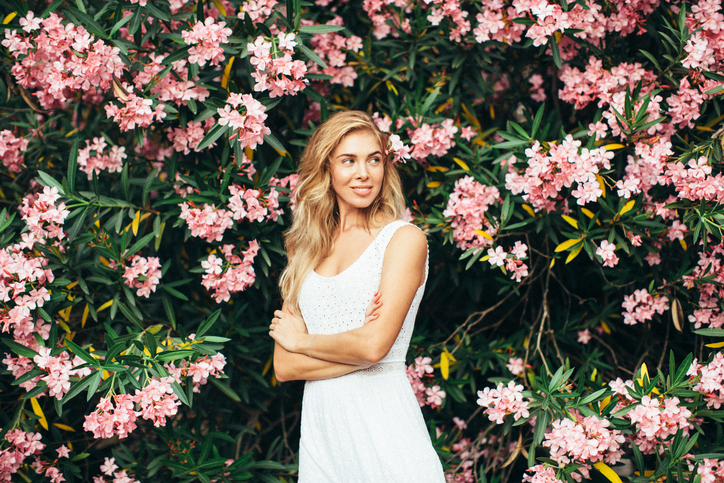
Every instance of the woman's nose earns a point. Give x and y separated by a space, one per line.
361 170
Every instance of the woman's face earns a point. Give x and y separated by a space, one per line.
358 169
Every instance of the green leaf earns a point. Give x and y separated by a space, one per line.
139 244
312 56
120 24
274 142
214 133
320 29
174 355
80 352
19 349
87 21
73 165
47 180
206 324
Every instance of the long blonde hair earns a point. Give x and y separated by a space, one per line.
316 216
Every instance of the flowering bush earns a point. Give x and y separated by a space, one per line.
565 158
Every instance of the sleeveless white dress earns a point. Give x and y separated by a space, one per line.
366 426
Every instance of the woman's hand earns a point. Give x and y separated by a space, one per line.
289 330
370 311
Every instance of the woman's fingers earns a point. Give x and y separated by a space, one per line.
374 304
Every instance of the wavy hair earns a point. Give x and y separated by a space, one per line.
316 216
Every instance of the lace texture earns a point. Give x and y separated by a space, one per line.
366 426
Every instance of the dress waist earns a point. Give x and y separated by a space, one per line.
383 369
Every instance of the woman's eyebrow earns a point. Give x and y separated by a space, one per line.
376 153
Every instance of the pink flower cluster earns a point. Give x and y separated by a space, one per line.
11 150
452 10
711 292
156 401
384 18
143 274
249 204
434 139
584 441
541 474
187 139
108 420
513 261
694 181
516 365
710 380
178 90
22 445
468 206
136 111
56 59
109 468
275 69
711 471
206 39
43 216
199 371
92 159
503 400
606 252
545 175
426 396
705 48
230 274
258 10
60 369
331 47
249 127
641 305
656 420
209 223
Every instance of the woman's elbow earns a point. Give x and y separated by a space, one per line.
282 369
375 352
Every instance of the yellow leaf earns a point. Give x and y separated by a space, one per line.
516 451
105 261
435 169
65 313
273 381
558 35
483 234
567 244
105 305
221 8
135 223
227 69
485 258
605 327
23 476
106 374
571 221
607 472
601 184
611 147
462 164
528 209
71 133
715 121
593 374
86 311
492 112
444 106
471 118
39 412
590 214
627 207
434 184
604 403
64 427
64 326
715 345
9 18
444 365
71 285
391 86
249 153
119 90
574 253
267 365
677 314
705 128
553 262
644 371
683 244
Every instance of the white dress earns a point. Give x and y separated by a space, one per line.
365 426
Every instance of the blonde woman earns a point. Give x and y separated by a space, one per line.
351 291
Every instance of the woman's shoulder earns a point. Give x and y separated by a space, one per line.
407 237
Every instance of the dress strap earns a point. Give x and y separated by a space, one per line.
386 234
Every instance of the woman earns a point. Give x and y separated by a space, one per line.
352 287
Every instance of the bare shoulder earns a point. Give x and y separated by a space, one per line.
410 242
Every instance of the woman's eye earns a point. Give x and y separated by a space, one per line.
348 161
375 160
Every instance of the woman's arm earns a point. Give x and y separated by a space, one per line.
403 272
289 366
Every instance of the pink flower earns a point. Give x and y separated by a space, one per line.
503 400
143 274
584 336
605 251
515 365
206 38
231 274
